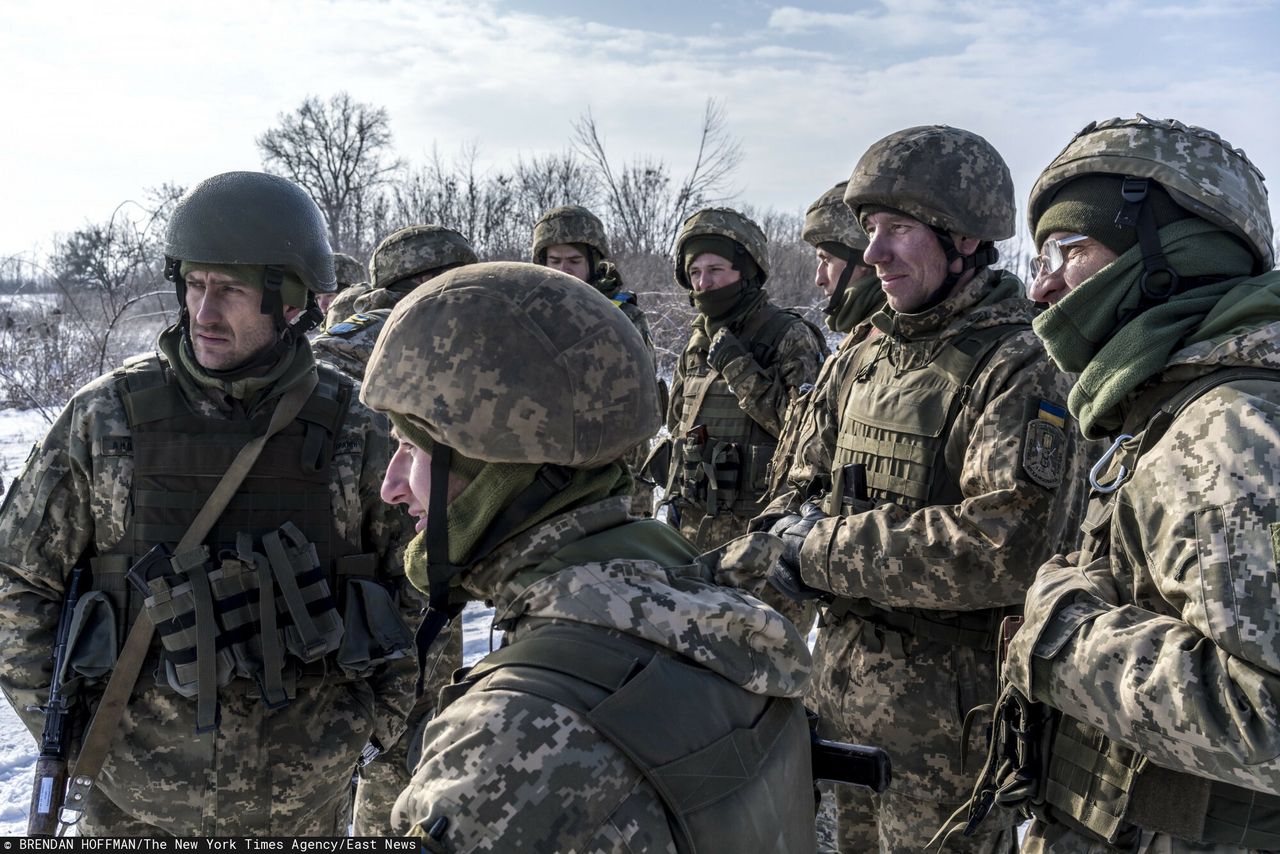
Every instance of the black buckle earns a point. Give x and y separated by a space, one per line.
1171 279
1133 191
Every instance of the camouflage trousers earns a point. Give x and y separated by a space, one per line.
853 820
1045 838
908 696
380 782
710 532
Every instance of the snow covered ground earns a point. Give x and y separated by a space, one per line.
18 431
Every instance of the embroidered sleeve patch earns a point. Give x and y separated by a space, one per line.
1044 452
352 324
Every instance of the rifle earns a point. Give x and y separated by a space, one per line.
50 784
855 764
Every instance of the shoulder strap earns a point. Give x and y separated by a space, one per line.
765 337
106 720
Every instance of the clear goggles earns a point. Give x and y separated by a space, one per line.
1051 259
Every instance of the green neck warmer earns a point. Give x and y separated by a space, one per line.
706 327
250 390
861 299
1080 331
494 488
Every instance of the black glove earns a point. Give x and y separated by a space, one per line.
785 575
725 347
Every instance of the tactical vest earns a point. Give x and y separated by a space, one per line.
271 586
1107 791
729 765
726 470
894 430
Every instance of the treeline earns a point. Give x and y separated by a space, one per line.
111 297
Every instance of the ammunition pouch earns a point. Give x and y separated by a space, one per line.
256 614
721 476
375 632
91 643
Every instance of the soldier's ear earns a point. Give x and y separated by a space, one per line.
965 245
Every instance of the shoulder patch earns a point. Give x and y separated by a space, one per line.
621 298
351 325
1044 452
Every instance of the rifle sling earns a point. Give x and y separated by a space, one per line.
106 719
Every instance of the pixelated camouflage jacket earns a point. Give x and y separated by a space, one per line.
347 344
763 391
1171 643
512 771
982 552
265 771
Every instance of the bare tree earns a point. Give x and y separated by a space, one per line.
338 151
645 204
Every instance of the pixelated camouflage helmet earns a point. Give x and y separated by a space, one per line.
566 382
251 218
347 270
417 249
723 222
1201 172
948 178
829 220
568 224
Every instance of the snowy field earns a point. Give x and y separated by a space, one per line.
18 430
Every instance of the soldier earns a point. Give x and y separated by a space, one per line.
743 365
403 260
853 295
951 474
348 271
577 734
281 652
1155 649
571 239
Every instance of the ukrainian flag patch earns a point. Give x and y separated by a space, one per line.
1051 412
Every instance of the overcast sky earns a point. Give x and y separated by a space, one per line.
102 100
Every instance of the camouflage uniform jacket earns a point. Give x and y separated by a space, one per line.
1170 643
763 391
514 772
344 303
347 344
281 772
976 555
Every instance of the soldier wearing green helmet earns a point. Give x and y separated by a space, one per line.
222 495
603 723
744 363
936 473
571 239
403 260
1147 674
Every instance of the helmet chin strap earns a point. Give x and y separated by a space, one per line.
842 283
984 256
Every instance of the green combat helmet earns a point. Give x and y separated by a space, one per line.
347 270
829 220
417 249
1201 172
722 222
567 383
948 178
256 219
565 225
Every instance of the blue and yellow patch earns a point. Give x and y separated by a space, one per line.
351 325
621 298
1051 412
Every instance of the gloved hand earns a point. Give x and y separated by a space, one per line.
725 347
785 575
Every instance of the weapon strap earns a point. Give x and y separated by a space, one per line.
106 720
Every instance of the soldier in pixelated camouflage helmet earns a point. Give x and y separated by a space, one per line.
1158 642
744 363
936 437
510 456
348 271
571 239
234 726
403 260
